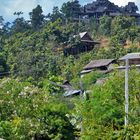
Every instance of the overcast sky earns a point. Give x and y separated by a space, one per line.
8 7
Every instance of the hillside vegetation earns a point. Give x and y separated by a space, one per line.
31 55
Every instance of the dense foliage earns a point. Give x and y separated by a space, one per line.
28 112
103 114
33 65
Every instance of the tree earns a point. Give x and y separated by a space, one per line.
103 114
19 25
37 17
55 14
18 13
71 9
28 112
120 23
94 26
105 25
120 28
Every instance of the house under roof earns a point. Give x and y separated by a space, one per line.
71 93
85 37
98 8
86 44
102 65
98 63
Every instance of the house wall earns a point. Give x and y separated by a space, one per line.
77 49
86 37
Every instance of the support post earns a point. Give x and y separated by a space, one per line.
126 93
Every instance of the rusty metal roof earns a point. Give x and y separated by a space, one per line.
98 63
131 56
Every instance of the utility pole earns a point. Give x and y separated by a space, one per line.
135 60
126 92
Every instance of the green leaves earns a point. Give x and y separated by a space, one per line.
103 114
37 17
27 112
105 25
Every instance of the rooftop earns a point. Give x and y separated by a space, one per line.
82 34
106 6
98 63
71 93
131 56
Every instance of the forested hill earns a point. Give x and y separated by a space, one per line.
33 67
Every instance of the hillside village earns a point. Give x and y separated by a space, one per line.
72 74
99 8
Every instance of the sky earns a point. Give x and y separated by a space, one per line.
8 7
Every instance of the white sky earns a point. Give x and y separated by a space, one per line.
8 7
124 2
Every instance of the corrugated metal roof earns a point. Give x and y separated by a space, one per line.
71 93
98 63
131 56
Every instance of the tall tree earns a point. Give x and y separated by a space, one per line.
71 9
55 14
19 24
37 17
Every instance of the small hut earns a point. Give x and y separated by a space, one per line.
72 93
102 65
85 43
69 90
